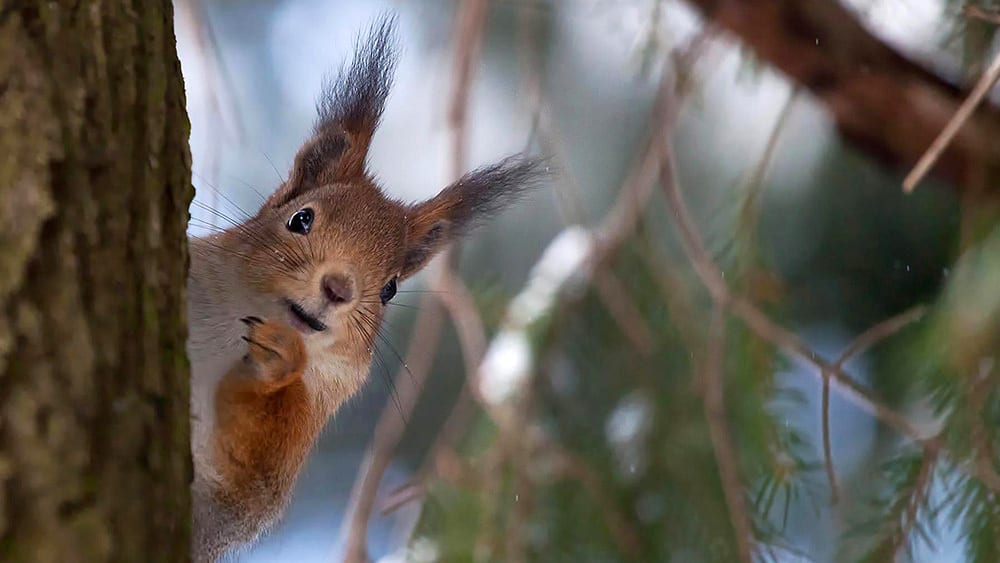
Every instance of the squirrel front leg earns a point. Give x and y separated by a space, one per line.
265 424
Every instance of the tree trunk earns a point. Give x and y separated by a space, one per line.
94 190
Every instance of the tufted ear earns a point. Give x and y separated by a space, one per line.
460 207
349 108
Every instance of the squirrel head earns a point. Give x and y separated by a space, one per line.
329 245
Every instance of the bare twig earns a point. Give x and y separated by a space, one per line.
880 332
986 82
609 288
831 475
589 248
624 311
521 448
754 185
566 189
725 453
863 342
573 255
390 427
620 221
468 34
427 331
789 343
461 307
714 282
458 302
616 228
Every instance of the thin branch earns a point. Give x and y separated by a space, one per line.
982 14
622 532
831 475
964 112
883 102
566 188
427 332
461 307
788 342
754 185
390 427
722 443
714 282
616 299
519 454
880 332
458 302
576 252
617 226
609 288
468 36
622 218
862 343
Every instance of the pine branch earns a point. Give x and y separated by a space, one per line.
725 453
884 103
713 280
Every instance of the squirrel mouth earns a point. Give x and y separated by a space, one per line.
300 314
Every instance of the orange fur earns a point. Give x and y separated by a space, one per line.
266 421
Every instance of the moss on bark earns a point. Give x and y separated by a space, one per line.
94 189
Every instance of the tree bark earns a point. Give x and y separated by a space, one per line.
887 105
94 190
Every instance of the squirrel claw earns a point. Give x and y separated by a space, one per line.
253 342
276 350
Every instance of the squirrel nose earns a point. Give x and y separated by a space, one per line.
338 288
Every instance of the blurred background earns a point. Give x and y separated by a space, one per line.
628 409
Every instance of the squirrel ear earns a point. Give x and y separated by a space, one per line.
349 109
462 206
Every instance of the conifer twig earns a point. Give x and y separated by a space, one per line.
622 533
978 390
713 391
713 280
880 332
919 496
863 342
626 314
711 277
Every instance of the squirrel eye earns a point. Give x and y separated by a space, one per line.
388 291
301 222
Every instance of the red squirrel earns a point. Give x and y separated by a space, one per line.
284 308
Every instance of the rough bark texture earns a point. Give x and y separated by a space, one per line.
890 106
94 189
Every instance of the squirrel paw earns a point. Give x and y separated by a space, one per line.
276 350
